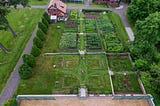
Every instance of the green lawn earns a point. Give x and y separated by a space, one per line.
53 38
39 2
70 73
23 21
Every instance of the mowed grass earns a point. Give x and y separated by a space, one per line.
71 72
53 38
23 21
39 2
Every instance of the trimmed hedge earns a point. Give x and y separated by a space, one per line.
37 42
42 27
41 35
29 59
47 17
45 22
25 71
35 51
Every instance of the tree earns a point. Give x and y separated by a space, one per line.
46 16
149 29
140 9
155 73
41 35
24 2
25 71
4 24
37 42
42 27
35 51
29 59
14 3
141 65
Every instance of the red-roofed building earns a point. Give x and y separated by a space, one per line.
57 10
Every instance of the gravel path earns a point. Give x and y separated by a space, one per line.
14 78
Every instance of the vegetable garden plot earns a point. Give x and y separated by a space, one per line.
93 42
113 44
90 26
126 83
92 15
71 26
105 25
68 41
119 64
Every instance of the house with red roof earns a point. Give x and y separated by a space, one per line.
57 10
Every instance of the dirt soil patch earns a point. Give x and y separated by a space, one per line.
91 101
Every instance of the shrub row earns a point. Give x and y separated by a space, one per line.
25 70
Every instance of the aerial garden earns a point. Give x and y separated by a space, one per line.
73 55
63 65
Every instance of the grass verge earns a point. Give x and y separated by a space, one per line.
25 24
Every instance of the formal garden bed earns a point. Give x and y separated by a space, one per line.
126 84
120 63
124 78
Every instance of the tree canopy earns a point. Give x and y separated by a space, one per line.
140 9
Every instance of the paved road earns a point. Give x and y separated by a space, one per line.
14 78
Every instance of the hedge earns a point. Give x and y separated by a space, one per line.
35 51
42 27
25 71
37 42
29 59
41 35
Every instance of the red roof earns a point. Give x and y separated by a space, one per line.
58 4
